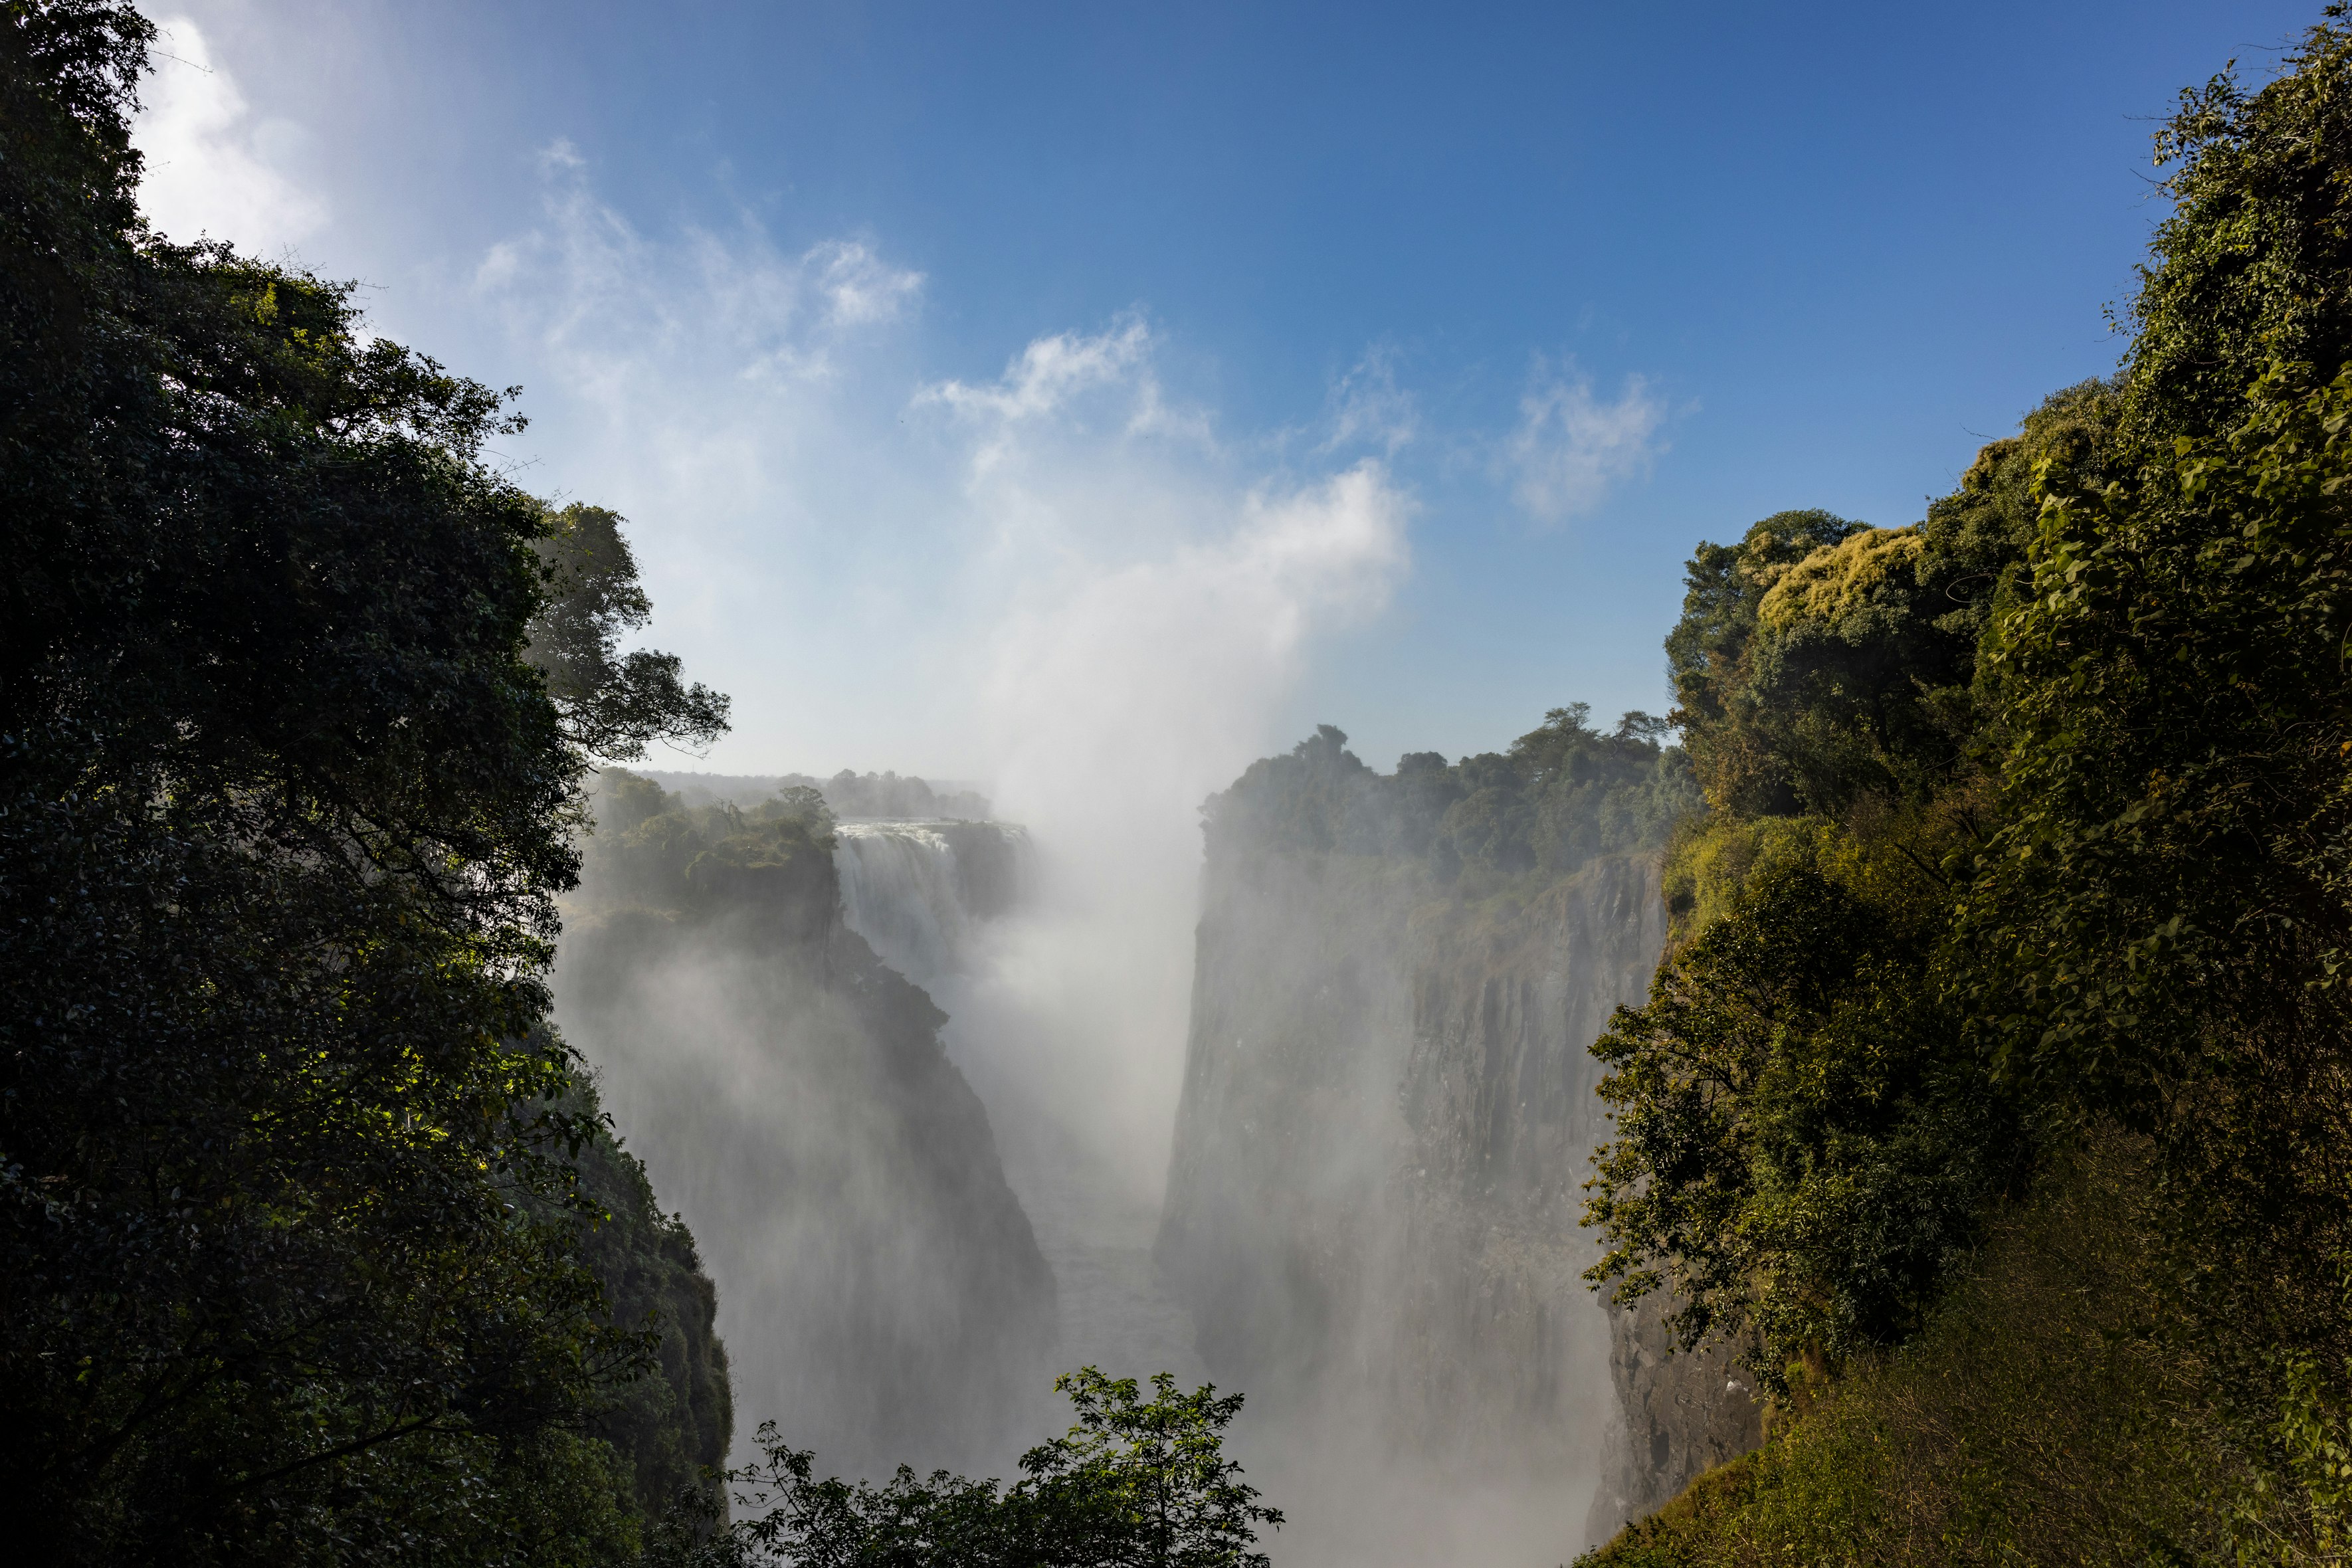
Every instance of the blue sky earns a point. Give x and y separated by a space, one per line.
997 388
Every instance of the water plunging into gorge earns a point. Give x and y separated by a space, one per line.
874 1077
945 903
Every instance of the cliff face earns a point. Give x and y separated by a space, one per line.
1387 1116
881 1292
1502 1016
674 1422
1679 1413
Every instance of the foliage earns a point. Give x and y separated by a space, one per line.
1800 1145
2162 918
712 862
611 703
2044 1411
1135 1482
2031 837
290 1259
1805 1137
1562 794
2253 265
1819 663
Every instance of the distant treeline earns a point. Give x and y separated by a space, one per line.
848 794
1561 795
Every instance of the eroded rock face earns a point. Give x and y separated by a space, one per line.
1387 1118
1679 1413
881 1290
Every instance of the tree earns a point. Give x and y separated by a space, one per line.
2253 265
1563 794
2094 707
289 1231
2164 917
612 704
1802 1144
1136 1483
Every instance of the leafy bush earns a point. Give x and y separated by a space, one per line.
1135 1482
1802 1141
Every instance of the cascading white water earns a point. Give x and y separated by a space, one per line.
880 1288
899 890
942 902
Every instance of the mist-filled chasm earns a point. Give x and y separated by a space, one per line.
865 1038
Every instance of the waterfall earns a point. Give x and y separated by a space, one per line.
881 1291
956 907
917 891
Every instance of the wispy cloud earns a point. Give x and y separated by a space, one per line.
1042 378
212 168
1571 448
583 281
1104 385
1368 407
859 286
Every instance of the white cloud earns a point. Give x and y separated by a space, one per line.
1044 376
1058 581
211 167
1569 446
1368 407
859 286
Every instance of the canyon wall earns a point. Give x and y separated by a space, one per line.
1388 1110
1387 1116
881 1290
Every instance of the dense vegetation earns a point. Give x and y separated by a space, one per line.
1134 1481
1994 1092
1562 794
313 1245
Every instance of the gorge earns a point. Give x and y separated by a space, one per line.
878 1283
1370 1221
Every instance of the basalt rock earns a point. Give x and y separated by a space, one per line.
1387 1118
1679 1413
881 1290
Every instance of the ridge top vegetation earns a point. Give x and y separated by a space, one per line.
2002 1019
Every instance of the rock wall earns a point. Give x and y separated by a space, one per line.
1386 1119
1679 1413
880 1290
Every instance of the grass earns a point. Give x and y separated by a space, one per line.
2044 1415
